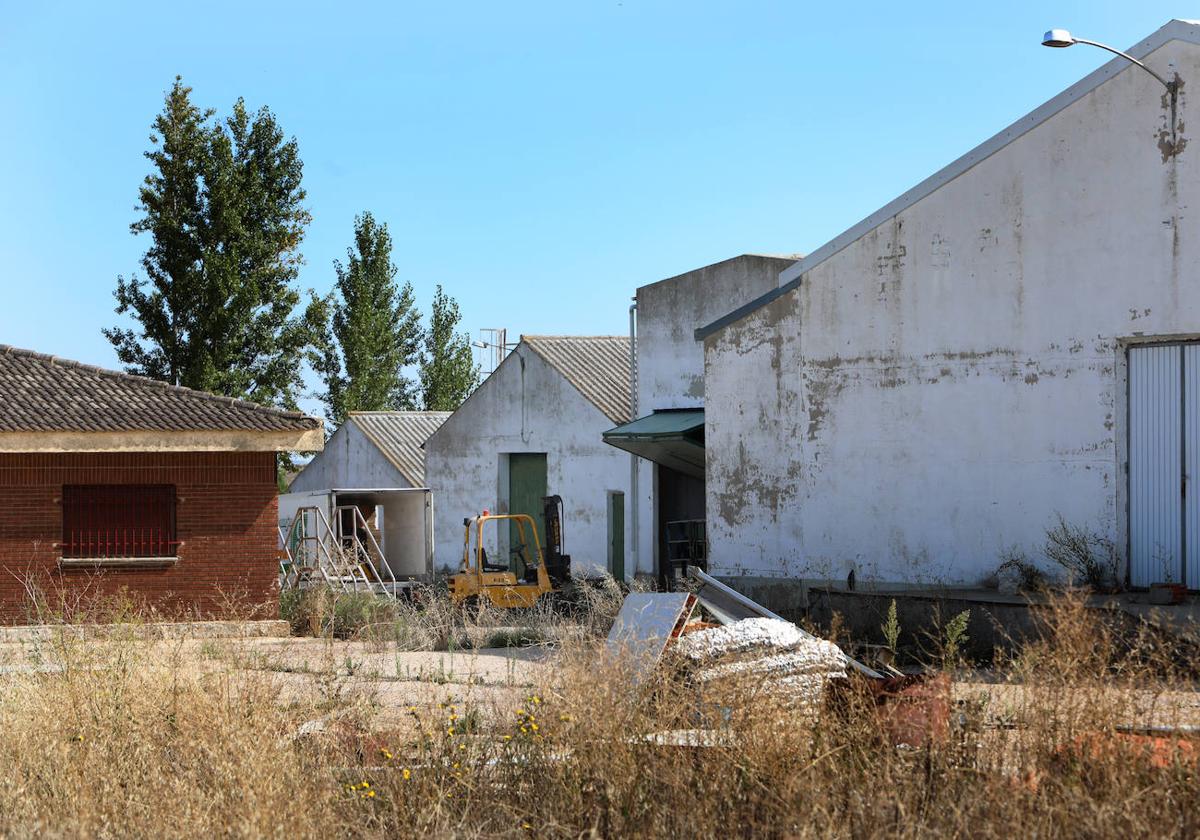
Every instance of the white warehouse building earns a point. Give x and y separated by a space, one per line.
378 449
668 433
1015 338
532 429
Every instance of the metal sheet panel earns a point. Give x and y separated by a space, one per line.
644 627
1155 464
1191 464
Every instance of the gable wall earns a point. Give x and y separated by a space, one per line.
350 460
525 406
959 378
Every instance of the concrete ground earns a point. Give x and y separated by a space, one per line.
317 673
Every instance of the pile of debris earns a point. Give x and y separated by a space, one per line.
772 654
716 637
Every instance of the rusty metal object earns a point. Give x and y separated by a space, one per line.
913 710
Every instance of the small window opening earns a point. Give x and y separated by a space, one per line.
103 521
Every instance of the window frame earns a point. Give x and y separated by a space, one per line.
119 525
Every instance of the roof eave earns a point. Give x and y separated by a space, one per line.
383 450
789 279
220 440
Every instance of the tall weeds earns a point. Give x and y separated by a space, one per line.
128 739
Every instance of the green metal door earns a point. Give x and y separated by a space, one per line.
616 535
526 487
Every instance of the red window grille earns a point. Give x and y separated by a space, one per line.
102 520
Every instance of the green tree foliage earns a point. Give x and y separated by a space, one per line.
374 331
448 373
223 207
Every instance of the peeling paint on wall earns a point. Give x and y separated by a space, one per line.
935 391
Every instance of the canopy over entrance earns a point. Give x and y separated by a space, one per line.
673 438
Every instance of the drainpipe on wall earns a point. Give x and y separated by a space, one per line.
633 459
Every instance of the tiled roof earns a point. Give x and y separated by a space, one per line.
40 393
399 436
598 366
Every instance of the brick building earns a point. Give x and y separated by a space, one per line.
112 484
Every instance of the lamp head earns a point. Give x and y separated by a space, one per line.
1057 38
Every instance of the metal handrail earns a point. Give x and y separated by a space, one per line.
338 570
331 571
360 519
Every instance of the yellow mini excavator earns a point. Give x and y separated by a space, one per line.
497 582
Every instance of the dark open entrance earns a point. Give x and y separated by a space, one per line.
674 440
680 525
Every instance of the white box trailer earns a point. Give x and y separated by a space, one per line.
402 517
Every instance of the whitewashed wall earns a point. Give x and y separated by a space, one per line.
670 362
525 406
349 460
942 387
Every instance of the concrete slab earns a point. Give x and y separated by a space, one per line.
156 630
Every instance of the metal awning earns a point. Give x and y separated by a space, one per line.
673 438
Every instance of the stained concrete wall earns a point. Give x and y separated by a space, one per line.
525 406
670 363
940 388
350 460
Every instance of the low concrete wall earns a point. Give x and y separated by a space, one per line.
786 598
994 625
998 622
273 628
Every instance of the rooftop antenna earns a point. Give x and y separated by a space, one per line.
493 341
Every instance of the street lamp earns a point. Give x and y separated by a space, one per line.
1061 38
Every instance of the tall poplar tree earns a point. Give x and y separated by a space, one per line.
448 372
373 333
223 205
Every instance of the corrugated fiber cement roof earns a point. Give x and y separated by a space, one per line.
597 365
399 435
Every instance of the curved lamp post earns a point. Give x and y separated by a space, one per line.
1061 38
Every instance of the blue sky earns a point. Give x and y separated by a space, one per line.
540 160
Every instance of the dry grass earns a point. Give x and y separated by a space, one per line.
112 740
429 621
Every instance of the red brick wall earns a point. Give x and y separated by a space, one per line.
225 519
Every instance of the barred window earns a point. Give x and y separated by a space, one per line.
117 520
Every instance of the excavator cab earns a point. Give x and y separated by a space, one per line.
482 577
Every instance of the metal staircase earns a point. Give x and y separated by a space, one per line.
344 556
